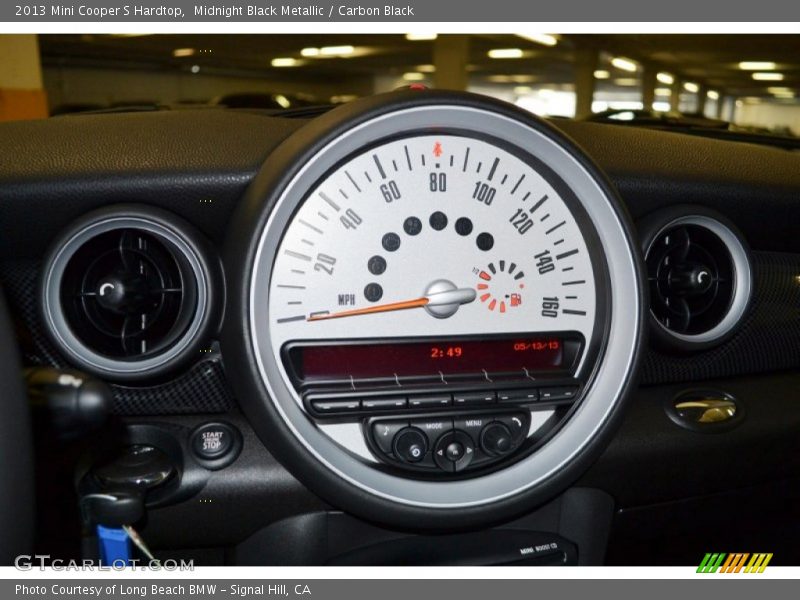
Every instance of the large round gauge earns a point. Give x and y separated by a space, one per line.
440 307
442 235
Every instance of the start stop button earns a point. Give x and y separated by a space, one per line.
215 444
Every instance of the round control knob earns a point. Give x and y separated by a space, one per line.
122 294
410 445
690 279
454 451
496 439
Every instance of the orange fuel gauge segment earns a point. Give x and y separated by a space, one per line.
500 286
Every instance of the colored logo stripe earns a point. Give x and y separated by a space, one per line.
758 563
711 562
734 562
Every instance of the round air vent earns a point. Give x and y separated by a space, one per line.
127 292
699 275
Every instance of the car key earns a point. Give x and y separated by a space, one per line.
138 541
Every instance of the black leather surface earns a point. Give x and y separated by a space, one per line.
757 187
195 163
652 460
16 451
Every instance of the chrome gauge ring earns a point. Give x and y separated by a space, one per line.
443 304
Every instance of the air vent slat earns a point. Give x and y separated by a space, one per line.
127 291
699 277
131 292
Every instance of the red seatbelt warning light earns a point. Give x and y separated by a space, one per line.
437 149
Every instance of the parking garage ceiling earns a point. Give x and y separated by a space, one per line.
711 60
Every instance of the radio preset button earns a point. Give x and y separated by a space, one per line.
474 398
518 396
435 401
332 407
554 394
383 403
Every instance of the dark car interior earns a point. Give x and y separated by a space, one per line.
418 328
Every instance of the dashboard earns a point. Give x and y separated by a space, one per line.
431 311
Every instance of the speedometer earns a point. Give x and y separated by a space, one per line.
441 302
442 235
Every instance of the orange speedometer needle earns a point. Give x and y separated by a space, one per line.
450 297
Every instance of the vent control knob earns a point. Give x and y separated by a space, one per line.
122 294
690 279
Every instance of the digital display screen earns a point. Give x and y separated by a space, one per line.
342 361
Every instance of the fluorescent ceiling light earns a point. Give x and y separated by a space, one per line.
626 81
540 38
282 100
624 64
663 92
511 78
768 76
412 76
343 98
426 68
419 37
665 78
781 92
309 52
755 65
505 53
713 95
691 87
195 69
601 74
180 52
284 62
336 50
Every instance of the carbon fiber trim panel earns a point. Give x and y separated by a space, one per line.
199 389
768 339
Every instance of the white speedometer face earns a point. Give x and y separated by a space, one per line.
442 291
433 235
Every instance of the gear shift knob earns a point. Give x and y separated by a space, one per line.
73 403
